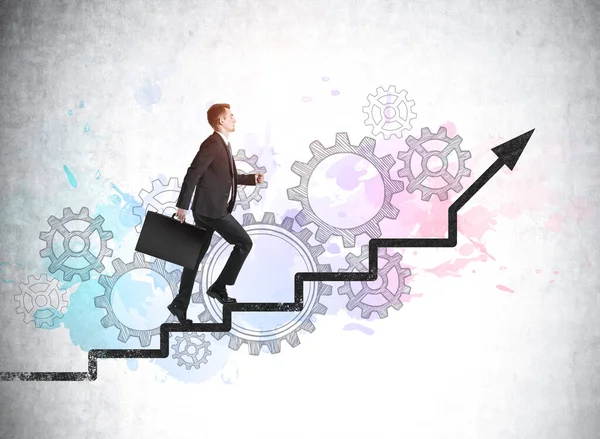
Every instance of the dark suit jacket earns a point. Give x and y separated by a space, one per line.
211 175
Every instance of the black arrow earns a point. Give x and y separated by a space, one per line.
508 153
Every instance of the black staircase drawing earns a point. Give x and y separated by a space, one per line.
508 153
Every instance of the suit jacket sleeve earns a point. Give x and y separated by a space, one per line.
246 179
204 157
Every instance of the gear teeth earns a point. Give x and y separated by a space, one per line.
288 224
317 149
416 182
248 219
296 193
180 353
108 283
366 147
396 125
303 219
342 145
58 225
289 332
243 199
28 305
155 200
359 263
301 168
342 139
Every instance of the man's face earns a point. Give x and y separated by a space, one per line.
228 121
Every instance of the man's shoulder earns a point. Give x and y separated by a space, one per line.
209 141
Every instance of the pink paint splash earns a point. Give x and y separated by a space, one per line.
504 288
474 223
453 267
408 297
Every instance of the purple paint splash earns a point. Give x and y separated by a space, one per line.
358 327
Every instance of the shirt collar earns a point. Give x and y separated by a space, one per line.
223 136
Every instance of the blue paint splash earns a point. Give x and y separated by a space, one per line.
70 112
81 104
333 248
44 316
132 364
6 281
70 176
86 128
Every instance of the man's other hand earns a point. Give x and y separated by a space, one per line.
259 178
181 214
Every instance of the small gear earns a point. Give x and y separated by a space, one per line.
388 117
391 299
312 294
41 293
58 225
108 282
194 342
242 198
162 199
452 182
365 149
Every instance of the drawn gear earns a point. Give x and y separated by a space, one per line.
162 199
108 282
40 293
242 198
190 350
389 101
391 299
58 225
312 300
453 182
365 149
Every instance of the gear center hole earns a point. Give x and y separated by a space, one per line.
41 301
76 244
389 112
434 163
375 284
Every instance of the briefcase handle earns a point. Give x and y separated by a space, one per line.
173 216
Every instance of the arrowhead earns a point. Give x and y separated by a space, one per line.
509 152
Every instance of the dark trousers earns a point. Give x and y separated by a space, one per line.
232 232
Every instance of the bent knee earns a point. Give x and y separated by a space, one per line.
247 244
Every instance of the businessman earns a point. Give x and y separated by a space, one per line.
214 177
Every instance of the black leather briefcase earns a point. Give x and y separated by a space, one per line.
168 239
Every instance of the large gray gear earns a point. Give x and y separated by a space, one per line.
452 182
312 297
242 198
182 353
389 101
365 149
391 299
33 298
162 199
108 282
58 225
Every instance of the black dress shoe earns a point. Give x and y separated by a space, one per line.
220 295
179 313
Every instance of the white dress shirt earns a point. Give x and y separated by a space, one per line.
226 142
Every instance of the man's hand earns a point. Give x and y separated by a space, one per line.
181 214
259 178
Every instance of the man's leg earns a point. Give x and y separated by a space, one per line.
182 300
233 232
